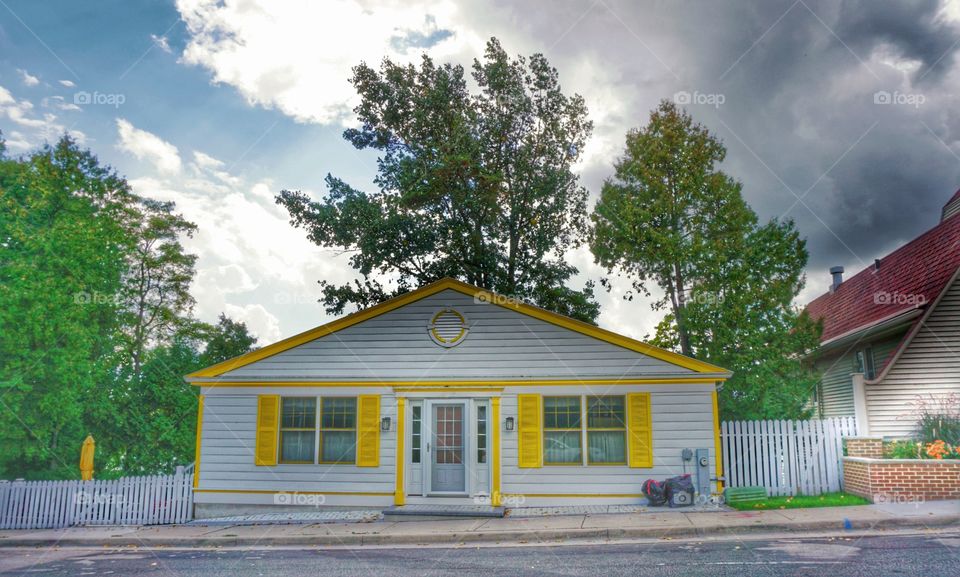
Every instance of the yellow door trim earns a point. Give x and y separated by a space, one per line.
717 445
478 294
494 424
196 458
399 456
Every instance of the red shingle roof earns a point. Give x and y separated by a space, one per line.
915 273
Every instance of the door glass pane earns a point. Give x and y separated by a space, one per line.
449 435
482 434
416 428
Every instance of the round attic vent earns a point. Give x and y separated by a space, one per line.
448 328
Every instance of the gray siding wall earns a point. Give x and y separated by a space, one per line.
930 365
228 442
502 344
836 383
682 418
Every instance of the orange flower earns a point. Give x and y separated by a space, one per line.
938 449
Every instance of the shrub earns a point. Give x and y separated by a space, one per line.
903 450
939 419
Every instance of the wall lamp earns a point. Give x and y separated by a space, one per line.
385 424
509 424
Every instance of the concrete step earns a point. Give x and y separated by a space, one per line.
440 512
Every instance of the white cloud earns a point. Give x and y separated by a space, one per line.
265 326
148 146
36 129
297 56
27 78
68 83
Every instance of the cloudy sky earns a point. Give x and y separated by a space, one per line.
844 116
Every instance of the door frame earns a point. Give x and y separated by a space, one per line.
427 425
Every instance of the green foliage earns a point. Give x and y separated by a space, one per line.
938 419
473 185
802 502
903 449
95 327
669 218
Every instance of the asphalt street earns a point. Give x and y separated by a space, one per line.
927 555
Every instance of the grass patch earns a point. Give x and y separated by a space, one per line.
802 502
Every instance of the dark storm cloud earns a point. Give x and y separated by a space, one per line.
804 112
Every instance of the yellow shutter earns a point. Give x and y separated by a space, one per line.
640 430
368 431
268 422
530 414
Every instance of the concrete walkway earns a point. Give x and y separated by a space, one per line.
670 524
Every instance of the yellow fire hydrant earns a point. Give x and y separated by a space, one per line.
86 458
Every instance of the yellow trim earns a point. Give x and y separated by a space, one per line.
436 335
640 430
196 459
448 389
266 450
400 457
529 431
480 384
717 447
494 427
265 492
469 290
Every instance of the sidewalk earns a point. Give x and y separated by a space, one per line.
672 524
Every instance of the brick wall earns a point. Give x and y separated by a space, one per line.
864 447
899 480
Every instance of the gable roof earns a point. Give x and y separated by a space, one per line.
472 291
910 277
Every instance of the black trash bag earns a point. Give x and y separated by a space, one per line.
656 493
679 491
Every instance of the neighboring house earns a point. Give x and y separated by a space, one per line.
451 395
891 333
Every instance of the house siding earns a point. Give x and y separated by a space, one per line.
929 366
836 383
681 413
501 344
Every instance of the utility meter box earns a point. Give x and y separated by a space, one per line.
702 464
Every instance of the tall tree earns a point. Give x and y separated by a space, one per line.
474 185
64 223
670 218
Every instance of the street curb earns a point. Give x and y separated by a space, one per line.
519 537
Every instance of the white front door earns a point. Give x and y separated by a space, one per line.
447 447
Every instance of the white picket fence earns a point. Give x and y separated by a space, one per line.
786 457
149 500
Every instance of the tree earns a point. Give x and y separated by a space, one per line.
473 185
156 291
63 239
670 218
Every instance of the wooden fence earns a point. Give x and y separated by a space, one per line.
786 457
150 500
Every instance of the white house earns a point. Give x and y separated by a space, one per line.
451 394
